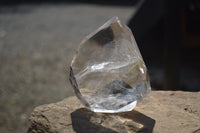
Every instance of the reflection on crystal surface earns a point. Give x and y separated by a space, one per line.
108 73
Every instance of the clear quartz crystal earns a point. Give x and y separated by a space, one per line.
108 73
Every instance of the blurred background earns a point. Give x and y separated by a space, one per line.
39 38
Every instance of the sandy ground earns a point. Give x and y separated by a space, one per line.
37 43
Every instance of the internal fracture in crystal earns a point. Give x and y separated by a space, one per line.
108 73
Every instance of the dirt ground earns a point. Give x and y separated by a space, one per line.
37 43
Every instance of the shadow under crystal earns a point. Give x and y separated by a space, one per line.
84 120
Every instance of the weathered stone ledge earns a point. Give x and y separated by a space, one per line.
160 112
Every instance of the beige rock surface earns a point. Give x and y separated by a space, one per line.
160 112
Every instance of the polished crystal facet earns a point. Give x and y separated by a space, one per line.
108 73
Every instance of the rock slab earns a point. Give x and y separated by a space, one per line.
160 112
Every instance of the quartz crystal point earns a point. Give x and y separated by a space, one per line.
108 73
